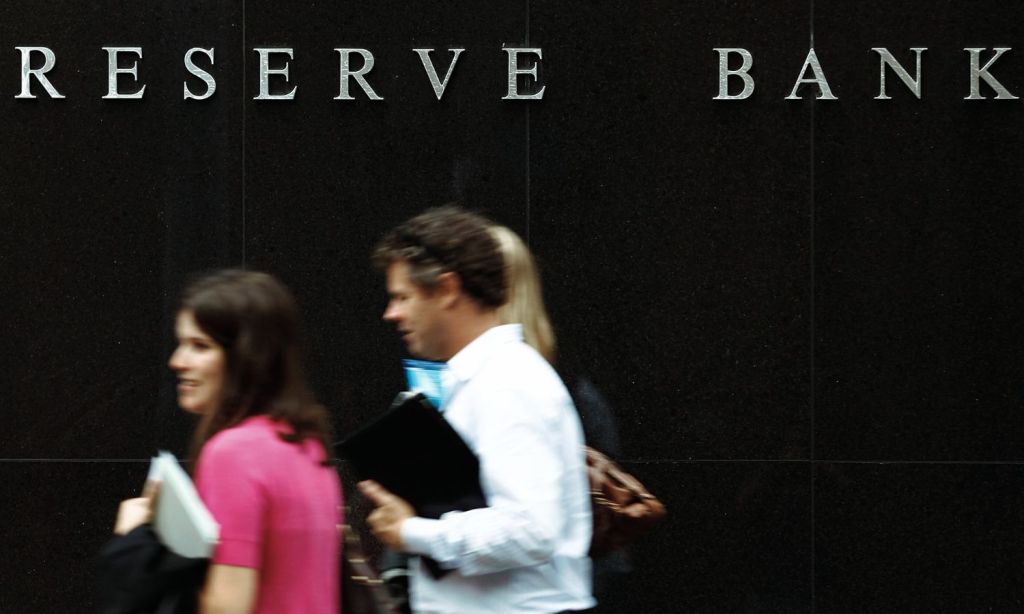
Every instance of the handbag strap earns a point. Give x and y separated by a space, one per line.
361 573
604 466
352 550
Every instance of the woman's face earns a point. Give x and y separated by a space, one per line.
200 363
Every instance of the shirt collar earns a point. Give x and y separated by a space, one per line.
468 361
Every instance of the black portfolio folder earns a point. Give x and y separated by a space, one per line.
412 451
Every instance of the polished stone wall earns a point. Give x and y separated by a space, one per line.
805 313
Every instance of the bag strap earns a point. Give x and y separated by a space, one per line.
359 572
604 465
352 550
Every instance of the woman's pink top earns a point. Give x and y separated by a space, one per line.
278 509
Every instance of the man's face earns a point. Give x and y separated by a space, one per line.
416 311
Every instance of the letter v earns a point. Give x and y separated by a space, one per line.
428 65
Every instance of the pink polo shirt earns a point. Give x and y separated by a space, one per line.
278 510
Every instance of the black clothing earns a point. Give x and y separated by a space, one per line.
139 575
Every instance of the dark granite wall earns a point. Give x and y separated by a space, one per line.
806 314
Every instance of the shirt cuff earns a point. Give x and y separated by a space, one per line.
419 534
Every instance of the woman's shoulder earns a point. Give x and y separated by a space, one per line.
249 436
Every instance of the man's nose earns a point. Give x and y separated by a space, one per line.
390 313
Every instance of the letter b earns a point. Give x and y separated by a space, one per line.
743 73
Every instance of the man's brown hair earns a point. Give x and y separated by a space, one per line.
448 239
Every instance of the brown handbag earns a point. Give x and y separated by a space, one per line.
362 590
622 508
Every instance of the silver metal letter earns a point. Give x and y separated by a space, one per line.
819 79
724 73
266 71
887 59
49 59
113 71
982 73
346 72
514 71
428 65
211 84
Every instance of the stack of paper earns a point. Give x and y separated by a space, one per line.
181 520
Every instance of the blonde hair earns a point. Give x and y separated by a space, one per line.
524 304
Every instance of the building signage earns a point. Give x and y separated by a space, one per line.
354 66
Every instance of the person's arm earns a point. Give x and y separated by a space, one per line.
137 511
519 453
229 590
133 513
228 479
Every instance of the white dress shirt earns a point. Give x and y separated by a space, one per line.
527 550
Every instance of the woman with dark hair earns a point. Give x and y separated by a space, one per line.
261 450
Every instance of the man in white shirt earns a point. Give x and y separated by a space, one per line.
526 552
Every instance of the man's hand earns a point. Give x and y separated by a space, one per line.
386 521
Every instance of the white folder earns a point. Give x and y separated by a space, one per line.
181 521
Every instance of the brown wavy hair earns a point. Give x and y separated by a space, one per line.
255 319
448 239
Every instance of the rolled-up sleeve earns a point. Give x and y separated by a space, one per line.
517 441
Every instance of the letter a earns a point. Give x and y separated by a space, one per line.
818 79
